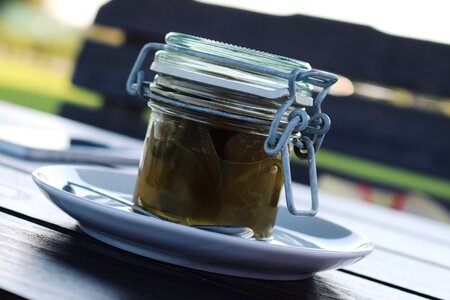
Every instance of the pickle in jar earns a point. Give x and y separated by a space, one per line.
194 174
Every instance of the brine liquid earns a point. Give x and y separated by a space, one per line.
196 175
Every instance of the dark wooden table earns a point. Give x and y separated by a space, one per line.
43 255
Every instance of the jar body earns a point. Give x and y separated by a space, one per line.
196 170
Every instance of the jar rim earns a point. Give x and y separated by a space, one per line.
274 61
220 74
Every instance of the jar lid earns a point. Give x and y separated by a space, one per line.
221 74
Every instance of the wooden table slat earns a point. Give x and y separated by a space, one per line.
14 115
32 257
389 230
356 210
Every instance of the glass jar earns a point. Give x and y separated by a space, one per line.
204 161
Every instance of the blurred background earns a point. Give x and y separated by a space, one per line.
389 143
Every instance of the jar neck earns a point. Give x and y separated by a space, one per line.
216 98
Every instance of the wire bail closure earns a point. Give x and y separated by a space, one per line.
309 131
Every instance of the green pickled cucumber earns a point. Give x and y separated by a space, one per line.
193 174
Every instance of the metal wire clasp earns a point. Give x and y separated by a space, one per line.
312 131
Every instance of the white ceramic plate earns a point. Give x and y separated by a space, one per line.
300 247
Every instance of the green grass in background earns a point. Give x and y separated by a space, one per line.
39 87
376 172
30 99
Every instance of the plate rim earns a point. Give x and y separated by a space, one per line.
208 251
183 229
